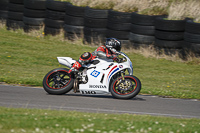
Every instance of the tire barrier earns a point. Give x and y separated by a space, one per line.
118 26
94 35
192 37
74 22
35 4
4 10
34 14
54 20
169 35
4 5
15 14
133 29
3 15
95 23
142 29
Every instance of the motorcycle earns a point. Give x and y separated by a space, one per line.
100 77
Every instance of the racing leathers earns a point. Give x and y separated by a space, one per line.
101 52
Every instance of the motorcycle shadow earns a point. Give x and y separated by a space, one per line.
108 96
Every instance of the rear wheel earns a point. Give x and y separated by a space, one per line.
58 81
127 88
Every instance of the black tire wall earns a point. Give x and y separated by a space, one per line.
74 22
95 20
4 10
142 29
192 37
15 15
34 14
35 4
54 21
118 26
169 34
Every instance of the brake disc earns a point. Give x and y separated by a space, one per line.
125 85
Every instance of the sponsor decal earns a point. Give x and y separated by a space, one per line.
112 71
120 66
88 92
97 86
95 73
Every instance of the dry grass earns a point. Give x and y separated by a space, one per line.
35 33
2 23
152 7
81 2
179 10
151 52
126 5
102 4
193 10
176 9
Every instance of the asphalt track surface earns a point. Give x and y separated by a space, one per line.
30 97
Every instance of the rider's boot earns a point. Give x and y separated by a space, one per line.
75 67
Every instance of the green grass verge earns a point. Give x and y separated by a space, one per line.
25 59
52 121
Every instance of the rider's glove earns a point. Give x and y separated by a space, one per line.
115 58
118 60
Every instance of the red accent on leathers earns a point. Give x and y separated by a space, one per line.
102 48
76 66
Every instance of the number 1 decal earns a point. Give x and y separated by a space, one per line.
95 73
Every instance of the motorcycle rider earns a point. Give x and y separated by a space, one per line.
107 51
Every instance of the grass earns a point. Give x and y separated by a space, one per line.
51 121
179 10
26 58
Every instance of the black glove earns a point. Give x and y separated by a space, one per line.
118 60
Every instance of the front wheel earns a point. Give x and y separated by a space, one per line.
127 88
58 81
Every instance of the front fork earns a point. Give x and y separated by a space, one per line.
122 75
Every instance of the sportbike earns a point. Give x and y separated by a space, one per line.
101 76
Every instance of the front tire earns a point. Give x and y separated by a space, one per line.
127 88
58 81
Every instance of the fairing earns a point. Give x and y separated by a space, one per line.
99 75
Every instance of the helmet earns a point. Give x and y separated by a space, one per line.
85 58
113 43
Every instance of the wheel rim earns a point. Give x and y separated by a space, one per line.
58 79
125 87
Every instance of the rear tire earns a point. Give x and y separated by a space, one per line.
58 81
128 91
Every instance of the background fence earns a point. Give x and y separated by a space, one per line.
94 25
